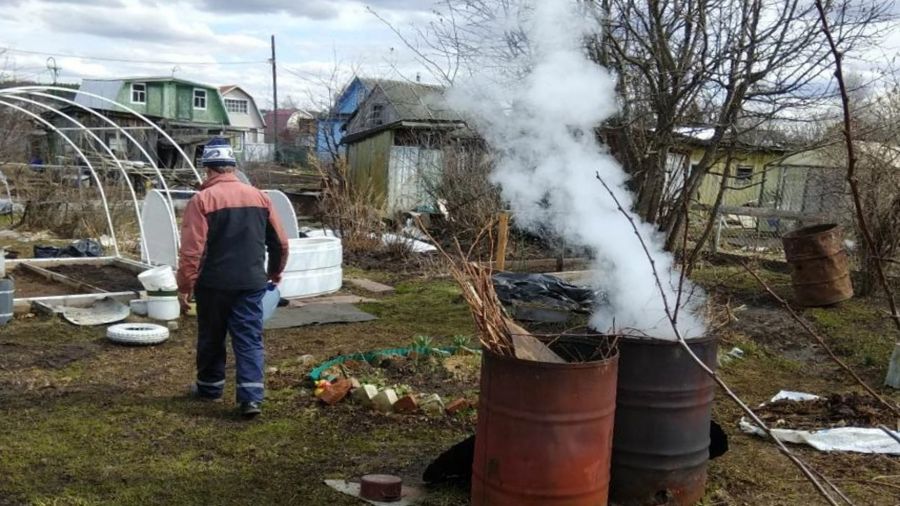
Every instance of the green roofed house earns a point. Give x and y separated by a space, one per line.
188 111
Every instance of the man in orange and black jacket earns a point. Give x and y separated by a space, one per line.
227 229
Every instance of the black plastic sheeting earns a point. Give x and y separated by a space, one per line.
515 288
78 249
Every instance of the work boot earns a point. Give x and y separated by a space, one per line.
194 394
250 410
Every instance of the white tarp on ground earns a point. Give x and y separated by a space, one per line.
841 439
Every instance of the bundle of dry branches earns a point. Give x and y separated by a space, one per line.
478 292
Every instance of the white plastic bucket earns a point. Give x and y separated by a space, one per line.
138 306
159 279
163 307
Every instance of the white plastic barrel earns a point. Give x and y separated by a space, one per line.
158 279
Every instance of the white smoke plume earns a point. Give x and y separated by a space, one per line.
538 111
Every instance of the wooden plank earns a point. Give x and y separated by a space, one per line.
53 262
65 280
529 347
23 305
502 239
333 299
371 286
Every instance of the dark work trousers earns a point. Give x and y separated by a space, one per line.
239 312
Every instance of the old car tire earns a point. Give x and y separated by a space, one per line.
137 333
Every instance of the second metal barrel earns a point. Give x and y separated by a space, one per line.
820 268
544 431
663 407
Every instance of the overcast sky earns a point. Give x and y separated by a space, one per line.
312 37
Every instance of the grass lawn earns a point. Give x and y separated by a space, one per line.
83 421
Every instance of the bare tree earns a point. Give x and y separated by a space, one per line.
733 65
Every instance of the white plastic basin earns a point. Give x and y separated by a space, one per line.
310 283
314 253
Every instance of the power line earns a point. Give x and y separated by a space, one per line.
126 60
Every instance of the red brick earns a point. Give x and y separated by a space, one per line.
335 392
406 404
457 406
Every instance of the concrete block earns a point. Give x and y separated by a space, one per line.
364 394
385 400
432 405
371 286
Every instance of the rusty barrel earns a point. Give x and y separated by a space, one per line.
820 268
544 431
663 404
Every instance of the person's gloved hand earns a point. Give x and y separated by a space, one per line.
184 300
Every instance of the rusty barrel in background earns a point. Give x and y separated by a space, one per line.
544 431
820 268
661 441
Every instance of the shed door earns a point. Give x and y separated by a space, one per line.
412 175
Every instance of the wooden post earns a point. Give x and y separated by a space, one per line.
502 239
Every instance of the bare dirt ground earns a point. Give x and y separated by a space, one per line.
111 278
83 421
30 284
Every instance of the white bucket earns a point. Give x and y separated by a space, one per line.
138 306
163 307
158 279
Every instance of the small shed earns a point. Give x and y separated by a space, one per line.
396 144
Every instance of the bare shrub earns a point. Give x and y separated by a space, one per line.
465 189
54 202
349 209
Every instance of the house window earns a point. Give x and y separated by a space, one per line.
237 142
199 99
138 93
377 114
236 105
744 175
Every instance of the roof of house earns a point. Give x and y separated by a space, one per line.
417 101
418 105
109 89
760 138
228 88
283 118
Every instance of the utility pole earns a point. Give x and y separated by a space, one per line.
274 100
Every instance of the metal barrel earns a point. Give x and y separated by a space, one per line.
661 441
7 292
820 268
544 431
